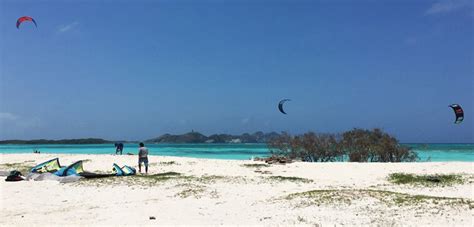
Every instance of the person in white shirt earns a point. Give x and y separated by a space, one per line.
143 157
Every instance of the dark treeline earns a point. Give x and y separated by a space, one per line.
190 137
63 141
358 145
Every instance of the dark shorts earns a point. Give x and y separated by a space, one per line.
144 160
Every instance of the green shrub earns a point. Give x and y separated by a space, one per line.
356 145
374 146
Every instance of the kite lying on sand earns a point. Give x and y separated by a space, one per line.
76 169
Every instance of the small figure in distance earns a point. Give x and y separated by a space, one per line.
118 148
142 157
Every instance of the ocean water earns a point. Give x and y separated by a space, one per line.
426 152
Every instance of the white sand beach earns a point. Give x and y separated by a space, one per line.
228 192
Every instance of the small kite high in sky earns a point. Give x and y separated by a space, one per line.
458 112
23 19
280 105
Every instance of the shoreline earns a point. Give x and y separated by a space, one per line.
230 192
218 158
435 152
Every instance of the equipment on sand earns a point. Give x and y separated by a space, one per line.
74 171
15 176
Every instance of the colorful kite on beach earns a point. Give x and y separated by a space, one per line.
280 105
52 167
23 19
458 112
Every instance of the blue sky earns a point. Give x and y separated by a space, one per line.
138 69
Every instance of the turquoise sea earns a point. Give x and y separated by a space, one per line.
426 152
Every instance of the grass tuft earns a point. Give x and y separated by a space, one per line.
160 175
347 196
292 179
196 192
24 168
155 180
426 180
256 165
168 163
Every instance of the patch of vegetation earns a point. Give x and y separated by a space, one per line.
211 179
155 180
263 172
159 177
135 180
23 167
207 179
347 196
196 191
301 219
318 197
292 179
426 180
10 165
359 145
214 194
168 163
256 165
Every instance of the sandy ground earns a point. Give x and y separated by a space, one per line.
227 192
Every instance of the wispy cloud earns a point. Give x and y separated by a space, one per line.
15 120
448 6
68 27
5 116
245 121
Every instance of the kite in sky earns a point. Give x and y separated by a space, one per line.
458 112
23 19
280 105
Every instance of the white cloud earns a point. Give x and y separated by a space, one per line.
4 116
447 6
245 120
68 27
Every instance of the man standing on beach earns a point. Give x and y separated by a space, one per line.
143 157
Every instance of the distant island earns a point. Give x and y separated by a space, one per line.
196 137
63 141
190 137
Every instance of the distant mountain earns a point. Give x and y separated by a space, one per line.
196 137
64 141
191 137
